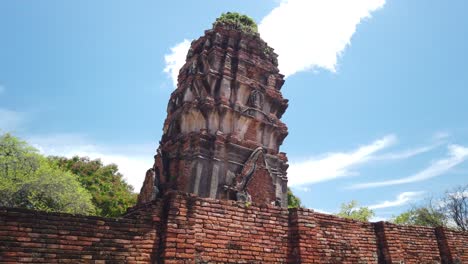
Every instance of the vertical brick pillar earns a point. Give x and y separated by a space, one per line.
302 240
178 243
294 255
444 249
453 245
390 250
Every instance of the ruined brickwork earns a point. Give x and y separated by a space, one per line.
223 131
454 245
411 244
323 238
217 190
183 228
39 237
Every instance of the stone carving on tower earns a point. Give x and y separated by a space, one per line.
223 131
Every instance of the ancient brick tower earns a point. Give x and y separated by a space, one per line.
221 139
223 131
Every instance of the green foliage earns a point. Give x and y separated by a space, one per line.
352 210
28 180
422 216
450 210
425 215
242 22
17 158
111 195
293 201
404 218
76 185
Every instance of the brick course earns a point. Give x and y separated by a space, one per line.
183 228
39 237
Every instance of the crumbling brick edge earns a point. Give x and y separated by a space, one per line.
183 228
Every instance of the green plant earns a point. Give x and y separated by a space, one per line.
111 194
352 210
239 21
293 201
28 180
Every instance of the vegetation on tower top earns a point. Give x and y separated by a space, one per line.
238 21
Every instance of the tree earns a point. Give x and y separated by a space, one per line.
423 216
293 201
455 206
17 158
403 218
451 210
352 210
28 180
111 195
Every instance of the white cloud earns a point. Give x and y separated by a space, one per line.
302 188
438 139
402 198
10 120
456 155
459 195
310 34
441 135
406 153
132 165
176 59
306 34
334 165
378 219
318 210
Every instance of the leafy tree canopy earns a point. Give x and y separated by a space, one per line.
239 21
422 216
111 195
352 210
450 210
28 180
293 201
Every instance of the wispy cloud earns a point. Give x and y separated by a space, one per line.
406 154
456 155
176 59
313 34
402 199
132 165
334 165
438 139
10 120
441 135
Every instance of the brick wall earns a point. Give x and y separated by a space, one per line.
220 231
454 245
39 237
411 244
182 228
322 238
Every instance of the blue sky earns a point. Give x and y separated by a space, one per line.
377 88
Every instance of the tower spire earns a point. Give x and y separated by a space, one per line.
223 131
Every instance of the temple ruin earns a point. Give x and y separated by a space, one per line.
222 134
217 190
